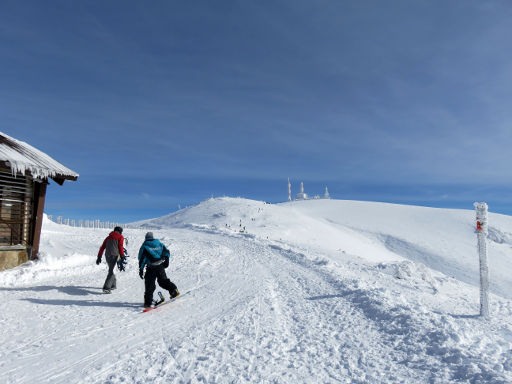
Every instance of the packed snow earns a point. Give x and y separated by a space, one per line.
317 291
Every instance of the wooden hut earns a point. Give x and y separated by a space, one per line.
24 174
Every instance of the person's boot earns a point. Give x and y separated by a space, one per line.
174 293
148 300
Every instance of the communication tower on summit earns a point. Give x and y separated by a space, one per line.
301 195
304 196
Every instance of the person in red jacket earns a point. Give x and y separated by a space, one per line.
113 247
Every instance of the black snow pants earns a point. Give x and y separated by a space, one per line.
156 273
110 281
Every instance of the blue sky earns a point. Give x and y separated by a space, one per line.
166 103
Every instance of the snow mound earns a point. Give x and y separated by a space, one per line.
45 267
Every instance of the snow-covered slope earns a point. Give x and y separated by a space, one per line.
321 291
442 239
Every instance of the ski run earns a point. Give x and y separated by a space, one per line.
318 291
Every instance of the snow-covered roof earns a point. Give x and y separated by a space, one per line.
23 158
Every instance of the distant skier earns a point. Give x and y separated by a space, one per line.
113 247
155 257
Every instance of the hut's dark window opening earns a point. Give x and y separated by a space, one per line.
16 198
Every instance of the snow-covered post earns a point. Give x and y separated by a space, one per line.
481 228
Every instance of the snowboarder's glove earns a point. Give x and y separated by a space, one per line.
98 261
141 273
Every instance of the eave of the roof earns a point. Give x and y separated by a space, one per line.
22 158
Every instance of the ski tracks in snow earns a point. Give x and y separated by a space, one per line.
257 312
288 318
265 314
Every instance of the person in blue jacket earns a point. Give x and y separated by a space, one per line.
154 256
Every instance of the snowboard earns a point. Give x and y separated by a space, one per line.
162 302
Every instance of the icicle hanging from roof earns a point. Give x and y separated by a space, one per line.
22 158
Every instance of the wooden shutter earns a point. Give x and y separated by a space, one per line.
16 196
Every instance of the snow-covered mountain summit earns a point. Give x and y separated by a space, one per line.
441 239
318 291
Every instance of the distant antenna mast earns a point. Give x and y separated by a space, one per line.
289 190
326 196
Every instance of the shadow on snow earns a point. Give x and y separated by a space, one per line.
69 290
84 303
